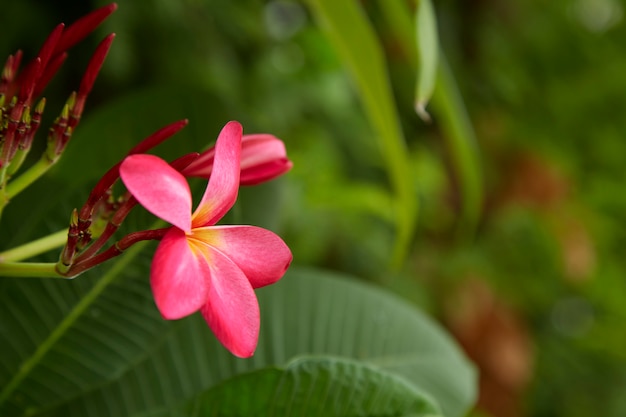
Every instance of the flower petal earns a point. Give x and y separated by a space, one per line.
261 148
221 192
260 254
268 171
232 310
179 277
263 157
161 189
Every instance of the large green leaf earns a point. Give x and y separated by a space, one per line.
73 349
316 387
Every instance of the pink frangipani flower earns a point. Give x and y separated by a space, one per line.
199 266
263 158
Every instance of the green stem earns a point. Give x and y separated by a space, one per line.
29 176
18 160
4 200
35 247
29 270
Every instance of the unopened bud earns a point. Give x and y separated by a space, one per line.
49 72
49 45
31 75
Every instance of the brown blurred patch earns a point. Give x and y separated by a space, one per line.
534 182
578 253
496 338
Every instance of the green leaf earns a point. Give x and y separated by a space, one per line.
60 337
97 346
427 42
354 39
315 386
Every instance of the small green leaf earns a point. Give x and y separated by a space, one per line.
427 42
315 387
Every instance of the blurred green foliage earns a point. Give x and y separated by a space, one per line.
544 85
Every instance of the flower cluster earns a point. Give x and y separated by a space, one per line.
19 121
198 265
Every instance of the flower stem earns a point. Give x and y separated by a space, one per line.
4 200
29 270
35 247
110 228
117 249
18 160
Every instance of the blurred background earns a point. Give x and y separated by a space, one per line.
536 295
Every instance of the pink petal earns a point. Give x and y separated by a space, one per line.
221 192
264 172
261 148
232 310
161 189
260 254
179 277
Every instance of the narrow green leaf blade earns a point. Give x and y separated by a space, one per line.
355 41
449 109
427 41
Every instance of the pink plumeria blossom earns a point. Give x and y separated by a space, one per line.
263 158
200 266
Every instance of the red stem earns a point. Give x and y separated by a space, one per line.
115 250
110 228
